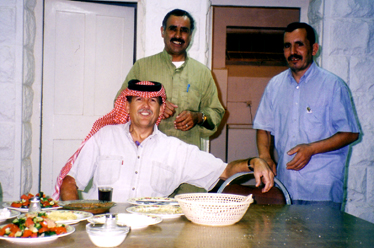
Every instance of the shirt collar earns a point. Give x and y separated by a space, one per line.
306 75
168 57
127 129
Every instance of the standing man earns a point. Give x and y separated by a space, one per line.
309 112
193 109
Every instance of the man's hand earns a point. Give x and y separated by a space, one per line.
186 120
304 153
271 163
263 173
69 189
169 109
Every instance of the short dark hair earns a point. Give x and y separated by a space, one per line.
310 34
179 12
159 99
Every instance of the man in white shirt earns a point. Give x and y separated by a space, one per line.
138 160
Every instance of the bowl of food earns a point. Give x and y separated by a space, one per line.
213 209
107 235
22 205
92 206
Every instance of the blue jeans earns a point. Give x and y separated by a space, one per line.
331 204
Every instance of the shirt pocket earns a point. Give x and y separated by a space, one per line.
191 98
315 122
108 170
162 178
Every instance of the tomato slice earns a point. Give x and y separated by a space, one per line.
58 229
12 227
43 229
44 224
26 203
29 222
16 204
27 233
24 197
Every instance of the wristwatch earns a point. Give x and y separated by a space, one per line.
203 117
249 164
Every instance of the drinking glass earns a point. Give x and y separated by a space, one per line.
105 193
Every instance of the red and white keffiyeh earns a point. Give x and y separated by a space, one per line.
117 116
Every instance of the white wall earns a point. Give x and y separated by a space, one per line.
347 36
16 76
150 16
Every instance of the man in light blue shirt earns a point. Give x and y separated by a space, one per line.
309 113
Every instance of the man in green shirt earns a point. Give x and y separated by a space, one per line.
193 110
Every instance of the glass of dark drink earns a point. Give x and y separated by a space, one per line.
105 193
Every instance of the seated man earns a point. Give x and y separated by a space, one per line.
138 160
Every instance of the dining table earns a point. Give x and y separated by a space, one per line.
261 226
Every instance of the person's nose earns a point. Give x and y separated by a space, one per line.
178 33
293 49
146 104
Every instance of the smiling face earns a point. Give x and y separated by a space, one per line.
177 36
298 51
143 112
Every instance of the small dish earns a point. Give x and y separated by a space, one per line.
135 221
107 235
153 201
66 216
12 215
165 212
25 210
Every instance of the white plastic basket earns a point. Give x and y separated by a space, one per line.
213 209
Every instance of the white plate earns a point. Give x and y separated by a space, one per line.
81 215
13 214
25 210
69 230
165 212
152 201
135 221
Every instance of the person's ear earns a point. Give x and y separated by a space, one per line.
162 32
315 49
127 107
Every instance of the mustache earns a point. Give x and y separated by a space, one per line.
177 39
145 110
294 56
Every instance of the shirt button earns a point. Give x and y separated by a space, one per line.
136 172
297 87
133 188
138 157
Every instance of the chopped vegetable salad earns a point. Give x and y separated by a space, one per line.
45 202
32 226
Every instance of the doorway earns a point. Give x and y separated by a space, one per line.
243 62
88 51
